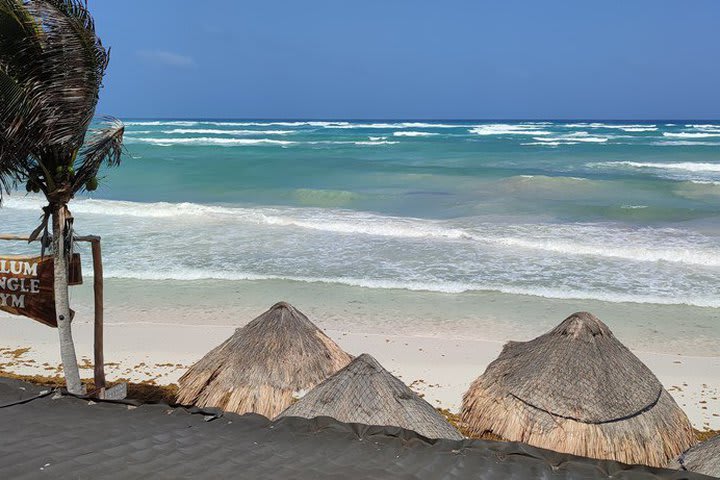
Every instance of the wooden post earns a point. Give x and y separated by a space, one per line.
99 302
99 305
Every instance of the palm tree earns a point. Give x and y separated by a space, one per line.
51 68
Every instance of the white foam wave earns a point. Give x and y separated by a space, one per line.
369 141
158 123
641 253
120 207
428 286
390 126
238 142
183 123
336 221
704 182
508 129
320 124
625 128
691 134
190 274
639 129
413 133
550 144
704 126
685 143
572 138
613 297
359 223
207 141
686 166
208 131
367 224
375 142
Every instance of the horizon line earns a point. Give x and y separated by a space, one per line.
418 119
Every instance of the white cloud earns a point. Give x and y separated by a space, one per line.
163 57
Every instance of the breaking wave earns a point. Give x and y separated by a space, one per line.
690 134
572 138
685 166
633 128
207 141
206 131
438 287
414 134
686 143
641 245
183 123
506 129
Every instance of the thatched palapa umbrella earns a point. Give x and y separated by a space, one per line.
264 365
577 389
364 392
703 458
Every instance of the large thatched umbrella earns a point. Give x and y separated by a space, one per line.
364 392
577 389
703 458
266 363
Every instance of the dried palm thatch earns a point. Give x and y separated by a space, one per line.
703 458
577 389
364 392
264 365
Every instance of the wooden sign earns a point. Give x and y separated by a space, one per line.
27 286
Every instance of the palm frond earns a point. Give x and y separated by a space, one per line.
20 33
104 148
51 68
19 45
70 70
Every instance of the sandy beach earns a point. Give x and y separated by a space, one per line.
359 241
157 340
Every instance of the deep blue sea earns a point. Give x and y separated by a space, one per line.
612 211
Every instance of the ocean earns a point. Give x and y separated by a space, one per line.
619 216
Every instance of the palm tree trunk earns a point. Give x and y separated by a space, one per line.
62 303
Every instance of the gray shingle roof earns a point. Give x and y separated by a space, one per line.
70 438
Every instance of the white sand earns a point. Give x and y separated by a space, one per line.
440 369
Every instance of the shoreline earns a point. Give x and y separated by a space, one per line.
491 316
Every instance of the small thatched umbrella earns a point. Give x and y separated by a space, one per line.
577 389
364 392
263 365
703 458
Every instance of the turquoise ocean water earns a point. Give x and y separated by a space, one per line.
611 211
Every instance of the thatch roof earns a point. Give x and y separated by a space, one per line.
577 389
264 365
703 458
364 392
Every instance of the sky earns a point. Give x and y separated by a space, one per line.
406 59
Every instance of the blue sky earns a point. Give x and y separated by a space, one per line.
411 59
